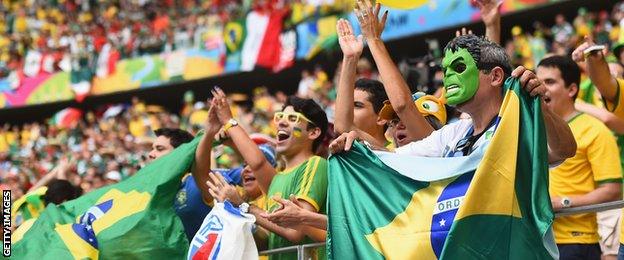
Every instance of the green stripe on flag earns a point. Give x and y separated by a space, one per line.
134 218
504 211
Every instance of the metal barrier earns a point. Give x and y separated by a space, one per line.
590 208
301 253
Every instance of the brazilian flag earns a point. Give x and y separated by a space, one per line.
492 204
133 219
234 34
28 206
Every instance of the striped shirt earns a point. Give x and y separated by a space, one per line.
307 181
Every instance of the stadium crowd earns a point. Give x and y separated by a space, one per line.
71 34
110 144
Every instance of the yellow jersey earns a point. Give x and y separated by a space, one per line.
596 162
618 110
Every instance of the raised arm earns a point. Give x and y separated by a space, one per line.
201 167
397 89
598 70
247 148
490 15
351 50
59 172
613 122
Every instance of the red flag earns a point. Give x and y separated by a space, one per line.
270 49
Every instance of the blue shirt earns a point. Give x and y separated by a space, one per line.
190 205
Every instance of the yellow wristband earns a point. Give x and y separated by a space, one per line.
231 123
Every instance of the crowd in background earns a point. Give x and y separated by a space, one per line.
111 143
72 33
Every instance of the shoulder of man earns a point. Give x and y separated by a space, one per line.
591 126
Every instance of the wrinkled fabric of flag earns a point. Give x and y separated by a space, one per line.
492 204
133 219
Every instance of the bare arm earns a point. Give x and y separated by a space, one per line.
561 142
222 191
201 167
247 148
397 89
598 71
344 142
490 14
604 193
351 49
288 233
299 214
614 123
45 179
59 172
315 220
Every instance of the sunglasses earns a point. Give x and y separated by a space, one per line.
465 144
293 117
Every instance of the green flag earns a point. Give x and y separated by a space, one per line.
129 220
493 204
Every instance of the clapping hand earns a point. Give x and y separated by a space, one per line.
219 101
221 190
290 213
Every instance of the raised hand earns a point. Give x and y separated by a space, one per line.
351 46
490 10
368 19
223 107
578 54
221 190
212 125
529 81
463 31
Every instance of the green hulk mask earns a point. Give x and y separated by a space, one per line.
461 76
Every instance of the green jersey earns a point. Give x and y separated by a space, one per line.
307 181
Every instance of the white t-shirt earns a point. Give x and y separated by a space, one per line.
441 141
